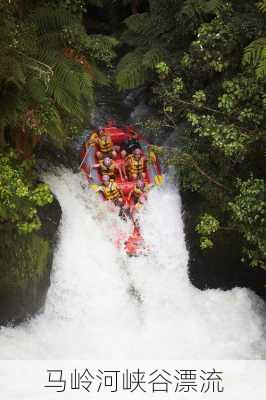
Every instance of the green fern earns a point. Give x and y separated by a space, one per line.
130 72
48 58
196 8
193 12
36 90
153 56
54 125
262 6
139 23
48 20
100 48
255 55
135 67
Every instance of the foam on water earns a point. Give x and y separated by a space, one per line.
103 304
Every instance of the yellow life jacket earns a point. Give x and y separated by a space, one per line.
111 191
136 167
92 139
106 146
110 171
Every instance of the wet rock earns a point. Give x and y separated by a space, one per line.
219 267
25 266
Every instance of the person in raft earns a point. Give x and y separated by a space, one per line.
104 143
111 191
130 145
135 166
139 195
139 192
107 166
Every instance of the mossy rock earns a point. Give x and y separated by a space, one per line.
219 267
25 265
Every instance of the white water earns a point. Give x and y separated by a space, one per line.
102 304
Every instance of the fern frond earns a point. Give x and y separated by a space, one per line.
99 76
54 124
212 6
255 55
261 68
85 82
36 90
139 23
65 101
100 47
262 6
55 40
196 8
47 20
134 40
65 74
54 62
130 71
153 56
101 41
140 31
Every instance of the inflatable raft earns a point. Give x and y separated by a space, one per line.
123 137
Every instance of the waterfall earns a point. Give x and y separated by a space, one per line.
103 304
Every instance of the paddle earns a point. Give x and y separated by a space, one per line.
158 180
84 158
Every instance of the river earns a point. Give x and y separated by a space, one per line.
104 305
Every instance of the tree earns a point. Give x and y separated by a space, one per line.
48 70
255 52
202 82
19 195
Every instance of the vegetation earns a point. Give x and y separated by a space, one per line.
25 262
19 197
48 71
204 64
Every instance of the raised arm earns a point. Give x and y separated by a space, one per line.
118 168
124 170
130 195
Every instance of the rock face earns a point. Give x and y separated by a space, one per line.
25 265
221 266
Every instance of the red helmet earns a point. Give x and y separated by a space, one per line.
107 161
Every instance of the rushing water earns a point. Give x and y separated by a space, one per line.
103 304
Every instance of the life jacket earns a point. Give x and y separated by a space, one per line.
136 167
111 191
92 139
106 146
110 171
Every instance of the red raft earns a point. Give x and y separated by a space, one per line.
125 139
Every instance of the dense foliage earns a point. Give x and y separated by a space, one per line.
48 70
204 63
19 197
